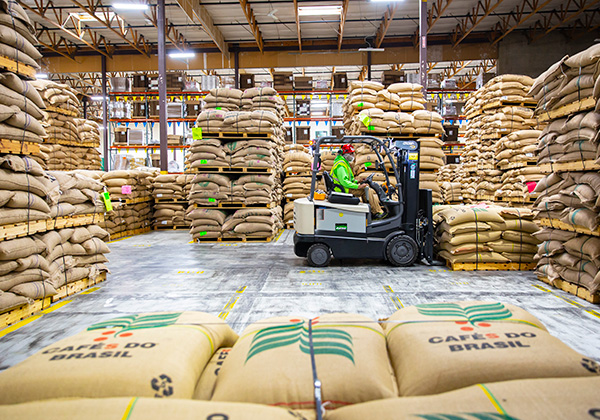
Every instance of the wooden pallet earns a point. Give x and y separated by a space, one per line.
169 201
230 170
557 224
62 111
18 230
579 291
236 205
13 147
572 108
127 233
485 197
27 310
290 226
15 67
518 165
172 227
71 143
511 266
235 135
502 103
521 200
576 166
71 221
249 240
131 200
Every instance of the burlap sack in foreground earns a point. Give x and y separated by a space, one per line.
440 347
270 363
142 409
145 355
532 399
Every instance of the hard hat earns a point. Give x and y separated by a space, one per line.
347 148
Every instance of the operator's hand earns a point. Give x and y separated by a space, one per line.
362 185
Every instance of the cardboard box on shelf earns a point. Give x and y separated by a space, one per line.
174 140
320 84
135 137
153 109
302 134
393 76
303 83
209 82
340 81
302 107
338 131
140 83
191 86
246 81
120 135
138 109
283 81
175 81
174 109
450 133
120 84
193 109
289 138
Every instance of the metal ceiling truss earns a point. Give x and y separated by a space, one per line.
298 25
172 34
483 9
345 5
196 11
515 18
454 68
471 76
438 9
253 23
55 42
581 26
385 24
103 15
558 18
70 26
363 73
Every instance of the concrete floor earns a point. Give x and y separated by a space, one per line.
163 271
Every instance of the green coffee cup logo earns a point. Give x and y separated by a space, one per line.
472 314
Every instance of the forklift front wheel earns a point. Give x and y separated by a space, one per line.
318 255
402 251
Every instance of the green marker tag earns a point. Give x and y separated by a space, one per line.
203 161
106 198
365 119
367 164
212 200
218 108
202 233
361 104
197 133
371 128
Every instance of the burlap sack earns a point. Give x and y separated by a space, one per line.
10 301
143 409
208 379
532 399
271 364
460 214
440 347
153 355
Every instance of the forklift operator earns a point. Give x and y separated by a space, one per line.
341 172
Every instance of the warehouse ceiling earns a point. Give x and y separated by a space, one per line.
72 28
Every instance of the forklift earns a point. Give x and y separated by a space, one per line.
338 225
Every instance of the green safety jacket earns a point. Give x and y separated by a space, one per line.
342 174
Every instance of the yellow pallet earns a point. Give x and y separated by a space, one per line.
128 233
502 103
13 147
511 266
557 224
172 227
15 67
27 310
131 200
236 206
72 221
230 170
71 143
238 240
579 291
61 111
572 108
18 230
236 135
576 166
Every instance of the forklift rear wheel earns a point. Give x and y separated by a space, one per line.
402 251
318 255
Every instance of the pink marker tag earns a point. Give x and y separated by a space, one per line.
531 186
126 189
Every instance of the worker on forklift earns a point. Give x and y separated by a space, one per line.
344 181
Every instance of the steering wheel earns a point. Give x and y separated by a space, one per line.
378 188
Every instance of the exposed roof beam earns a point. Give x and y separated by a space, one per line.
469 23
438 9
172 34
345 5
363 73
253 23
431 66
101 13
588 25
55 41
298 25
194 10
41 10
557 18
515 18
385 24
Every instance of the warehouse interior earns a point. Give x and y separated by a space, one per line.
276 209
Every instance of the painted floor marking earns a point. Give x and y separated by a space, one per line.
231 303
393 297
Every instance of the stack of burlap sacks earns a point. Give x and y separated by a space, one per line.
515 154
133 216
483 177
250 223
485 234
297 171
170 193
367 369
57 157
448 177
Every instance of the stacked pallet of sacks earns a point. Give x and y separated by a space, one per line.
486 234
569 202
209 189
515 154
170 195
375 121
128 216
448 177
61 122
79 194
254 223
296 184
226 99
206 153
66 158
371 369
431 159
489 120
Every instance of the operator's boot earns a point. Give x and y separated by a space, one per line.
380 216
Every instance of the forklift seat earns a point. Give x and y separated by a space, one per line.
337 197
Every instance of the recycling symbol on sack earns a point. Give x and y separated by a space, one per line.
162 386
591 365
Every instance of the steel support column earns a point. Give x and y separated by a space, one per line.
84 102
105 115
236 68
423 43
162 86
369 63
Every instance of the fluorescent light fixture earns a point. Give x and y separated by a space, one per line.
41 76
86 17
98 98
371 49
386 1
182 54
319 10
130 6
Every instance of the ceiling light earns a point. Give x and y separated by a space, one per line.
387 1
130 6
41 76
86 17
182 54
319 10
371 49
98 98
